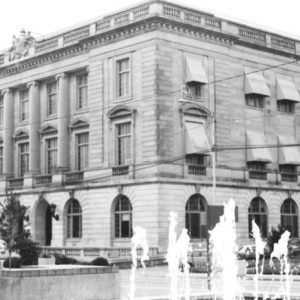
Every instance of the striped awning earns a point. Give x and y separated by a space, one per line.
255 84
286 90
196 138
288 155
255 147
194 70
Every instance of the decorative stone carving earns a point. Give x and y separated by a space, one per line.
20 45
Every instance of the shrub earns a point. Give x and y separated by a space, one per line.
100 261
29 251
61 259
15 262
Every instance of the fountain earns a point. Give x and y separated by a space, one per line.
224 281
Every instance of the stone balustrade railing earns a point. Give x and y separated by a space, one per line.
92 252
168 11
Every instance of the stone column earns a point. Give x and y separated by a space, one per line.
8 124
63 122
34 125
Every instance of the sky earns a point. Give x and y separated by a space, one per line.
45 17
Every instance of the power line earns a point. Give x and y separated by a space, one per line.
164 94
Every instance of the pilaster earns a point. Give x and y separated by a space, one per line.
63 122
34 124
8 124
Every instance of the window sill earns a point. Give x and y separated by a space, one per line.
51 117
22 123
121 99
82 111
262 109
286 113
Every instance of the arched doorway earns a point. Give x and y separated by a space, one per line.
43 223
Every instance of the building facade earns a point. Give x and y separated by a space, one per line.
153 109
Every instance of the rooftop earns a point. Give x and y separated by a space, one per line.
193 20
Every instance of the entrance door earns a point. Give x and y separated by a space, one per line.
43 224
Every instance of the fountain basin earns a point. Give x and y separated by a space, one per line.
60 283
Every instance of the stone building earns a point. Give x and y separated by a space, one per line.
158 107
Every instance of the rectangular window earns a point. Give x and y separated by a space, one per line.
288 172
24 105
123 78
196 89
257 170
1 160
82 151
51 155
286 106
1 110
123 143
82 91
51 98
23 159
196 159
255 100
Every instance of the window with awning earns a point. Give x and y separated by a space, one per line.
255 83
196 138
194 71
288 155
286 90
255 147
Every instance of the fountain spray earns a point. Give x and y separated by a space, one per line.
139 239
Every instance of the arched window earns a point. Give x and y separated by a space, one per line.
74 219
195 217
258 213
123 217
289 216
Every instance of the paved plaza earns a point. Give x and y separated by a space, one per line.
154 283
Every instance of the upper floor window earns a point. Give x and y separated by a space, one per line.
52 98
1 110
123 143
288 172
51 155
24 105
255 100
257 170
287 95
74 219
196 89
123 77
82 91
23 159
286 106
82 151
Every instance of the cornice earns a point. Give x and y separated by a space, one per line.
153 23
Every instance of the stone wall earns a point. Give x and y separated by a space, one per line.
61 283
